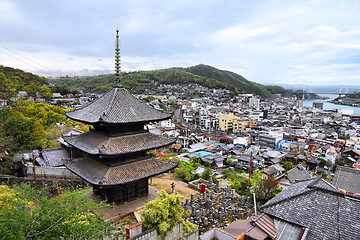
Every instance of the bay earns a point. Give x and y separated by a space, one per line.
330 106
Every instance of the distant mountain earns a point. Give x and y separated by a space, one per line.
203 75
322 88
353 95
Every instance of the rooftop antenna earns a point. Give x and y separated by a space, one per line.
117 61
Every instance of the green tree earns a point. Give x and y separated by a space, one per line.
206 174
7 87
183 172
27 213
162 106
45 92
240 185
27 133
322 163
265 189
288 165
164 213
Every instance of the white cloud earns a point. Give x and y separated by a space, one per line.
265 41
238 34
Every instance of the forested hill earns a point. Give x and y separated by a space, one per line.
13 80
204 75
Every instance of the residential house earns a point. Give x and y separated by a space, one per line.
274 171
298 173
262 227
215 160
243 162
319 208
350 156
347 180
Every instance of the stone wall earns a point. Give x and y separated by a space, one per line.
175 234
50 185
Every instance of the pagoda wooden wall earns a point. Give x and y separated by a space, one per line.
125 192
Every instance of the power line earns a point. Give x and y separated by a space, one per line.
49 70
19 60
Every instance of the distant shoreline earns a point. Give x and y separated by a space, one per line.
357 104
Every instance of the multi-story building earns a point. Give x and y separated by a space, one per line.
254 101
226 122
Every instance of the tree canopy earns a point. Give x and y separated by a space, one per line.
27 213
201 74
14 80
164 213
264 189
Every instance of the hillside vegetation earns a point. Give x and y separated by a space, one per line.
203 75
13 80
26 125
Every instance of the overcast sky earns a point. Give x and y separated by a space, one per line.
275 41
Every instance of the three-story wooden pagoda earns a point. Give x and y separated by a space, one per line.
112 156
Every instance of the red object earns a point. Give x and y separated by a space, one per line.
203 187
127 233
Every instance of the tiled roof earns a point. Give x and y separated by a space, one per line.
300 188
298 173
53 157
98 144
266 223
98 174
117 106
347 179
318 206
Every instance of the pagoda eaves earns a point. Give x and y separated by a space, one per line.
117 107
98 144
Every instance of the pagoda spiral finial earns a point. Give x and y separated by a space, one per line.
117 61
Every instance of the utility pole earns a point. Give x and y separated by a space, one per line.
254 203
248 192
34 167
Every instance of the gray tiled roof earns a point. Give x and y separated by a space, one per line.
347 179
97 173
117 106
317 205
53 157
98 144
298 173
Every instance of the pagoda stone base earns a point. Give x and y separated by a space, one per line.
124 192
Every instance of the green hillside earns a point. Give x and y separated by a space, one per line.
13 80
204 75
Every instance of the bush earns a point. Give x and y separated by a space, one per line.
206 174
322 163
288 165
164 213
183 173
28 213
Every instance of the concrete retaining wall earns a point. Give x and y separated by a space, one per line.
58 172
175 234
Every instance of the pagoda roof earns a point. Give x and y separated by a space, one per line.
97 173
98 144
117 106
